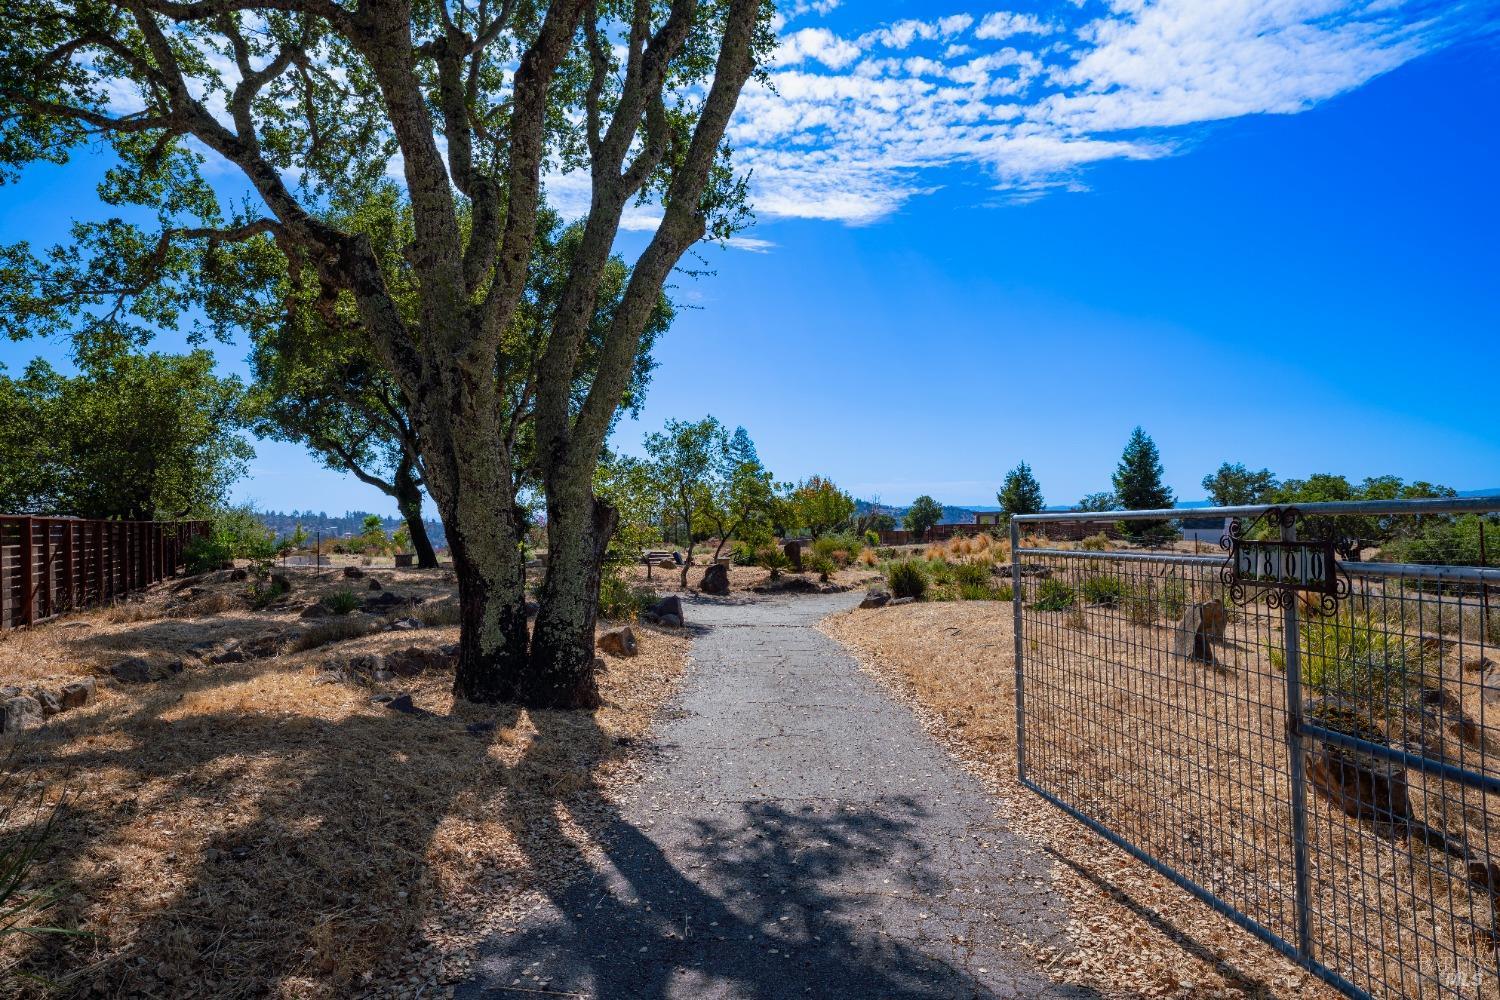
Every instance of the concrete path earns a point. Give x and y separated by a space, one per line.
798 835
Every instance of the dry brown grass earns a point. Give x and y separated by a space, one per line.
253 830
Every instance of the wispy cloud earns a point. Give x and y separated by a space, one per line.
852 126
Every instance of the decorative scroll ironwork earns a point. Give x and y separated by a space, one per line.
1280 569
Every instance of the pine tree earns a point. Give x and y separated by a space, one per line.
1139 486
1021 493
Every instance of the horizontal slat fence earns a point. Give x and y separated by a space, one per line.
50 565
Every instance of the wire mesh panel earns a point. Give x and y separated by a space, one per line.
1308 742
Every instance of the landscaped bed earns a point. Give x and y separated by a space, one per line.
280 825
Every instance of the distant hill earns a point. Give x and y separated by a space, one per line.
339 525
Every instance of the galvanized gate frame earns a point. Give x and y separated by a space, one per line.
1298 728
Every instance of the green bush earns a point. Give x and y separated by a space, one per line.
1105 589
619 601
984 592
742 554
234 533
773 559
972 575
907 579
872 538
942 572
1054 595
1174 598
821 564
263 593
1356 656
342 602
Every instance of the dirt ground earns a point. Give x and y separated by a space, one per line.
269 828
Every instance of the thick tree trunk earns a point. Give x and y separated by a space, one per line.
560 673
471 482
409 502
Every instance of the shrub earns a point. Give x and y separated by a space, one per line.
1354 654
942 572
620 601
907 579
342 602
1140 606
822 565
262 594
1174 598
1054 595
773 559
868 558
1095 543
984 592
1105 589
742 554
234 533
437 614
972 574
333 630
872 538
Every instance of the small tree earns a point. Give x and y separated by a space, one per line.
1021 493
923 513
1236 486
1139 486
741 496
820 506
684 458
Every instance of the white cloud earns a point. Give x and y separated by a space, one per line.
852 128
750 244
815 43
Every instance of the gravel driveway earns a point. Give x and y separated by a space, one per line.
796 835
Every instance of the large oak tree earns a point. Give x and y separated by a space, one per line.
312 102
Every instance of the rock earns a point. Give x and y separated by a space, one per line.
281 582
239 575
669 605
670 620
1488 679
329 677
666 564
49 702
9 692
264 645
315 610
382 676
413 660
896 601
1215 619
715 580
1363 785
353 573
231 653
375 584
793 553
384 603
135 670
78 693
1193 638
449 649
601 665
404 625
19 713
619 642
875 599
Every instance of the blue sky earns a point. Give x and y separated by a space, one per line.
1264 231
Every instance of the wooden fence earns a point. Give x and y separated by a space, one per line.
49 565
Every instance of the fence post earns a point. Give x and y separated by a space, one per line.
1015 600
1292 641
68 576
28 572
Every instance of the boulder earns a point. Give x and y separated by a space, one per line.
384 603
793 553
600 665
353 573
136 670
281 582
669 605
19 713
670 620
49 702
8 691
1214 618
231 652
404 625
1363 785
1193 638
415 660
895 602
375 584
875 599
666 564
239 575
315 610
715 580
619 642
77 693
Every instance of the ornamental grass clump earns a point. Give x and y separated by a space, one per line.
907 579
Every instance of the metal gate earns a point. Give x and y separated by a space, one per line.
1307 742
